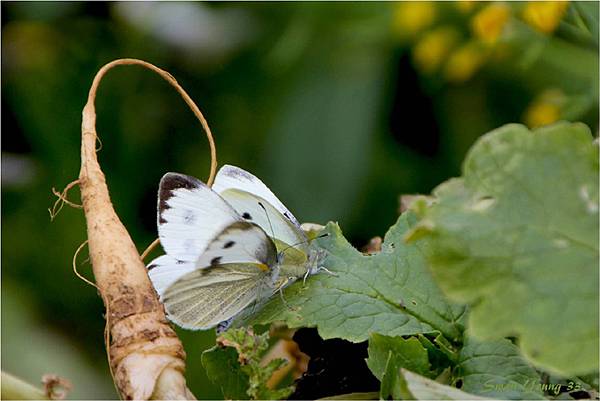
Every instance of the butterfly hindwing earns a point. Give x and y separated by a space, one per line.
204 298
233 271
190 215
165 270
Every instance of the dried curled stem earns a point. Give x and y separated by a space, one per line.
146 357
153 245
62 199
84 243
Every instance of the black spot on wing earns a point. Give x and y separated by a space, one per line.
247 216
215 261
239 225
152 266
189 217
266 253
228 244
170 182
287 216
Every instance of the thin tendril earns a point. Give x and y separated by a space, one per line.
84 243
153 245
171 80
62 199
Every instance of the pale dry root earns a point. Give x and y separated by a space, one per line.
146 357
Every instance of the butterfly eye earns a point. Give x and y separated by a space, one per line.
291 278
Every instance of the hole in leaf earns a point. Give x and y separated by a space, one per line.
336 367
580 395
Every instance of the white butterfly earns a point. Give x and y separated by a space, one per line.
226 248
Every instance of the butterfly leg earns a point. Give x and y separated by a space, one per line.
305 277
280 289
323 268
255 302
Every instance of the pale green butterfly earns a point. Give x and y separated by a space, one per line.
219 258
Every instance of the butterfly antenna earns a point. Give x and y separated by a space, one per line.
307 241
320 236
268 219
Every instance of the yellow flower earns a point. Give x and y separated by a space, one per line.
488 23
544 15
465 6
433 48
412 17
545 109
464 62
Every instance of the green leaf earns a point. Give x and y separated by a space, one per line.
388 354
496 369
406 353
591 380
354 396
391 292
390 380
439 355
517 238
223 369
235 365
416 387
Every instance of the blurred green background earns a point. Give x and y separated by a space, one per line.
338 107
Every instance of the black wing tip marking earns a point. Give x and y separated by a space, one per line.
152 266
234 171
168 183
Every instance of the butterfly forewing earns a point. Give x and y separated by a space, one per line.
255 209
190 215
240 242
231 177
